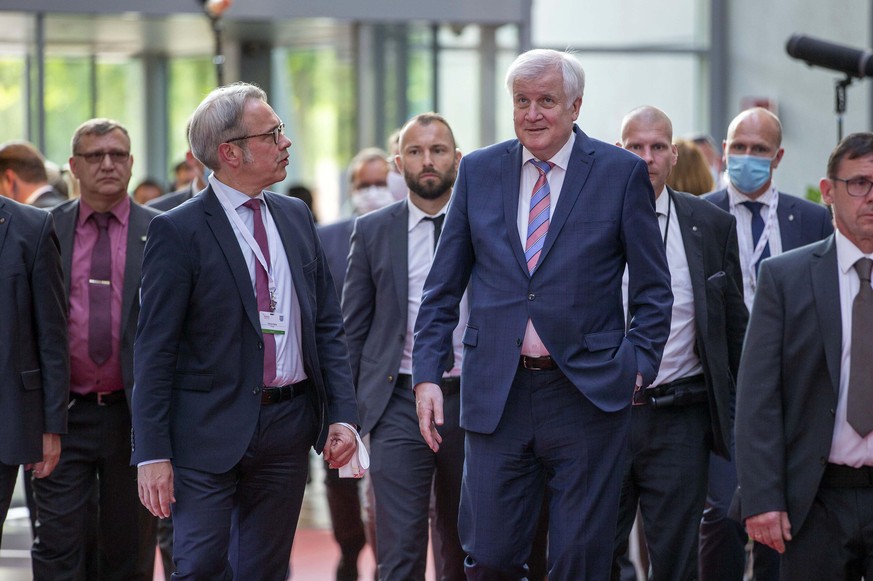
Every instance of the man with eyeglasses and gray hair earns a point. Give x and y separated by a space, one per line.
804 425
102 236
241 358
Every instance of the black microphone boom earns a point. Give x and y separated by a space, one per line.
853 62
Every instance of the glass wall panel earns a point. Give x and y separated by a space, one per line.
13 105
189 80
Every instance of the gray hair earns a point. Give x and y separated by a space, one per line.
98 126
536 62
364 157
218 118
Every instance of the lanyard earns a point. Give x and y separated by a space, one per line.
247 236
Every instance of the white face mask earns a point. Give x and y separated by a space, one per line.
368 199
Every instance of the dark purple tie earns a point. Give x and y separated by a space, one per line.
859 401
262 286
100 293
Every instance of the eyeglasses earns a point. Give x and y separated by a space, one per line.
857 187
275 132
94 157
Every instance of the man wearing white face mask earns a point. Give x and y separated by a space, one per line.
769 222
368 181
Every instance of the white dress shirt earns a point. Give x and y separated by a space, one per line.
420 258
847 446
680 358
532 344
744 234
289 356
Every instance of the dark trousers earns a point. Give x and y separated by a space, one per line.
552 438
404 471
8 474
835 541
94 452
722 552
666 475
344 505
240 524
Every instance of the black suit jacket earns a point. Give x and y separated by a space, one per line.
66 216
34 356
789 382
199 346
800 221
710 239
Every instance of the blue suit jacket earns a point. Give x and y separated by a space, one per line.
604 220
801 222
199 347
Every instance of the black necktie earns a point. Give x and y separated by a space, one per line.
100 293
859 401
757 229
437 227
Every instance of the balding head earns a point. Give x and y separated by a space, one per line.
647 116
752 150
762 120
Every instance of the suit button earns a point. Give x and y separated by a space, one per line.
518 342
823 461
256 389
260 345
390 378
833 412
531 296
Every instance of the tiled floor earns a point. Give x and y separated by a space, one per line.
313 558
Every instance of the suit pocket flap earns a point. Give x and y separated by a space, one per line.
717 280
604 340
471 336
193 382
31 379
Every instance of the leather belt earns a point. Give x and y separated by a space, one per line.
271 395
675 393
448 385
543 363
842 476
104 398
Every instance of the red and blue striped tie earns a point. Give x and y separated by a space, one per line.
538 220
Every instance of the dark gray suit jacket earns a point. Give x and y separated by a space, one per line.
49 199
137 227
710 239
34 354
172 199
375 297
788 382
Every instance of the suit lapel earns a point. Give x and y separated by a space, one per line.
399 249
789 222
65 227
824 275
292 242
510 172
692 241
5 217
137 227
226 239
578 169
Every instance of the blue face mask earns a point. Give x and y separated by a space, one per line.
748 173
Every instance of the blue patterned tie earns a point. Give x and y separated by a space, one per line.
538 220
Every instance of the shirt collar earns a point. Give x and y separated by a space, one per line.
662 202
736 197
847 253
236 197
121 211
416 214
560 159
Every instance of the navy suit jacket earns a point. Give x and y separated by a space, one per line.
709 236
604 220
801 222
170 200
199 348
66 216
34 353
789 382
